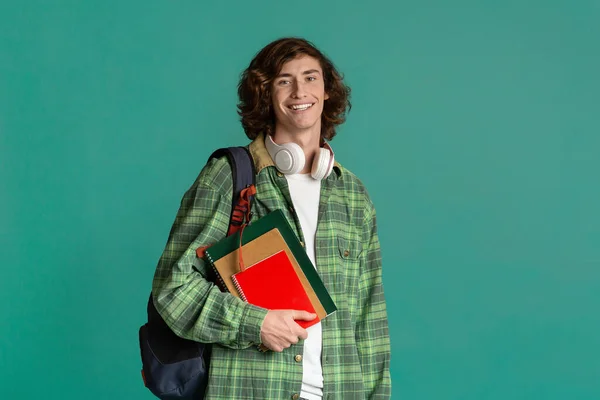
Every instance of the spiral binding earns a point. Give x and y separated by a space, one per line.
220 282
239 288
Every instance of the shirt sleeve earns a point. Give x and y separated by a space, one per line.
193 307
372 334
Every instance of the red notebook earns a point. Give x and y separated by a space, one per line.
272 283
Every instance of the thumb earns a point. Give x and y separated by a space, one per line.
303 315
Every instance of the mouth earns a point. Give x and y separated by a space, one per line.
300 107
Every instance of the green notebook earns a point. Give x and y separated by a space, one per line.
259 229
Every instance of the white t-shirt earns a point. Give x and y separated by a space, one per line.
305 193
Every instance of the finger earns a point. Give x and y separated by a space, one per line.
303 335
273 346
303 315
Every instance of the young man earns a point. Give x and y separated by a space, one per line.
291 100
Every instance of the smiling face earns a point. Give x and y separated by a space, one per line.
298 96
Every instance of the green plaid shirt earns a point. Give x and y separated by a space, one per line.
356 347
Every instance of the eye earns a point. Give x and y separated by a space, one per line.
311 78
283 82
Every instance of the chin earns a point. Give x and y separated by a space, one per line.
304 126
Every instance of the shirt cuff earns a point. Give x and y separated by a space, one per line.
251 322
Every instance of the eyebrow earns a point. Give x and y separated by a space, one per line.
307 72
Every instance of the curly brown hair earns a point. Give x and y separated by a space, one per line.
254 89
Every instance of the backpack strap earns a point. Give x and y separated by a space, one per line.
243 175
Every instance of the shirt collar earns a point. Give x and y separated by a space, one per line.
262 159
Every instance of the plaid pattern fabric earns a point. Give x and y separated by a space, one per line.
356 348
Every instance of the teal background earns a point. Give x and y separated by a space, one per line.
475 126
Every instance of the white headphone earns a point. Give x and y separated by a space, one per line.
289 158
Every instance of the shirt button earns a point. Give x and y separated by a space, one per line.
302 244
346 253
279 174
295 396
298 358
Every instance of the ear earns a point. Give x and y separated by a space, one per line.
326 96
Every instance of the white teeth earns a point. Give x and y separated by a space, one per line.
301 106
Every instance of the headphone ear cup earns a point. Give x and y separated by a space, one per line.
320 166
289 158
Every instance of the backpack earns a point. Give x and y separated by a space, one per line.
174 368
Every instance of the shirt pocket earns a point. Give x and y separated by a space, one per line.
348 271
349 249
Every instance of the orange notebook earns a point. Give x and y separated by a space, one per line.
272 283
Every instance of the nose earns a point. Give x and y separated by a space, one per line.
298 91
